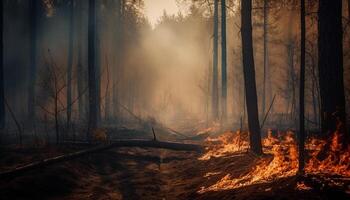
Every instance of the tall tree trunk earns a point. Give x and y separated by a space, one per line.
2 89
249 77
70 62
33 61
118 37
107 96
330 61
223 62
93 96
263 104
349 9
215 90
314 101
80 71
98 62
302 88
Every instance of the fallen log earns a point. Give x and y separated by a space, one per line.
113 144
157 144
143 143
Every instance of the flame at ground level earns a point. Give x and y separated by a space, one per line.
284 161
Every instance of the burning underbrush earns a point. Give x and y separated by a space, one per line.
280 159
225 144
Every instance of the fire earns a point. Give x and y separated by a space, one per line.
284 162
337 159
225 144
302 186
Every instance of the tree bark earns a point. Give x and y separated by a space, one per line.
215 89
349 9
249 77
2 89
302 88
81 78
330 63
70 61
98 61
115 70
223 62
93 107
263 104
33 61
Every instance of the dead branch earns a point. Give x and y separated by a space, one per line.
18 171
268 111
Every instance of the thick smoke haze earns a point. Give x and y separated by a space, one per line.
156 70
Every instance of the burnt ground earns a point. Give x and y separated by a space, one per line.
135 173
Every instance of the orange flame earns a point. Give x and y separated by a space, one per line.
284 162
225 144
337 159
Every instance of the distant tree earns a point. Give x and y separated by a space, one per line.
215 89
249 77
330 63
92 83
98 58
33 60
266 60
70 60
223 61
2 90
115 70
302 88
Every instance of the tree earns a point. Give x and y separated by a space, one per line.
263 104
302 88
70 61
330 64
33 59
81 76
215 92
2 90
223 61
249 77
115 70
93 107
98 59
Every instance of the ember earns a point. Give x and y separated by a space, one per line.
302 186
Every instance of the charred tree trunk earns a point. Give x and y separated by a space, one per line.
302 88
249 77
2 89
98 61
107 100
118 39
33 61
223 62
263 104
93 96
80 70
70 62
330 63
215 89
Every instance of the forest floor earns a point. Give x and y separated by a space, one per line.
136 173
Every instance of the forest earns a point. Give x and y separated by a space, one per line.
202 99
